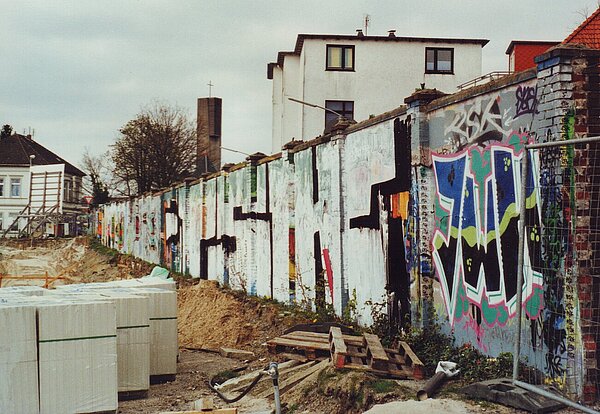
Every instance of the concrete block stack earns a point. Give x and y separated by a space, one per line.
81 348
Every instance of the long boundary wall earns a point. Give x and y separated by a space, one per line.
413 213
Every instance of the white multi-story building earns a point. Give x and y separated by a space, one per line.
359 76
56 187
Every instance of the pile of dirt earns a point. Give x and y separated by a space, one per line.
70 259
211 317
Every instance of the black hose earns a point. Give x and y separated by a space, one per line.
239 397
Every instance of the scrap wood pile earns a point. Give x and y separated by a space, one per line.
349 351
309 353
292 373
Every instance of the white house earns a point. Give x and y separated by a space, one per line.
358 75
34 180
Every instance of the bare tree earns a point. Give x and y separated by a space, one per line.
97 181
155 149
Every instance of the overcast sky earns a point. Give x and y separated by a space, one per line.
76 71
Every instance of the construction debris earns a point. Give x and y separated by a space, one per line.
236 353
444 370
503 391
349 351
204 404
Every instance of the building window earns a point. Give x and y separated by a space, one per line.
439 60
340 57
68 191
344 108
1 187
15 187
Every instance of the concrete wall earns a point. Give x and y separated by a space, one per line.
413 213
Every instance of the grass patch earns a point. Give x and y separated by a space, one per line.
97 246
382 386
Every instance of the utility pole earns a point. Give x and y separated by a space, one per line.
367 21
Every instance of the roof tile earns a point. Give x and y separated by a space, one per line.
588 32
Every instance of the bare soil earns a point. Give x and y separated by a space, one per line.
211 317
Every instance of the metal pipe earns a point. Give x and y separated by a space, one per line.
274 373
232 150
520 262
561 143
315 106
554 397
431 386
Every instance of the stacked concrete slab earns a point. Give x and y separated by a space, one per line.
79 348
133 343
162 315
73 349
18 359
77 343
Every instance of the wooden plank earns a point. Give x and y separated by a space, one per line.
412 361
349 339
287 383
243 380
337 347
299 344
378 358
293 357
296 336
266 382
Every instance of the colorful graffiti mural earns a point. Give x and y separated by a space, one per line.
473 246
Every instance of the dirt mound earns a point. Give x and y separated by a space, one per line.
211 317
73 260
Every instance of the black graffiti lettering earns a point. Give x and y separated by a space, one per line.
526 100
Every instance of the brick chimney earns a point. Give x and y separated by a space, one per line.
208 132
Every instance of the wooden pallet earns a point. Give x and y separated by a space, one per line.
309 345
349 351
371 356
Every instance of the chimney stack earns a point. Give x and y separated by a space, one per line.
208 135
391 33
359 32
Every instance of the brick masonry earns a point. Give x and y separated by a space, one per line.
569 80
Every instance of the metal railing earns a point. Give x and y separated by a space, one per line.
488 77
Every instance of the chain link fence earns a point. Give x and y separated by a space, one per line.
559 271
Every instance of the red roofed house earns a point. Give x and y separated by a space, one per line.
588 32
521 53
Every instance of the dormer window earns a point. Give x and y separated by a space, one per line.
340 57
439 60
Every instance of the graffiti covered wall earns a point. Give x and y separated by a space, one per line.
414 214
477 147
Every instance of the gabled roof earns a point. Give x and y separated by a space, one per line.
588 32
16 149
361 38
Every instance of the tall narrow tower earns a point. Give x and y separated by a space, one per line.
208 131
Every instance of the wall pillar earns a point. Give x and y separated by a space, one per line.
568 108
421 212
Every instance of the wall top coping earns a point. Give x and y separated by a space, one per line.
506 81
